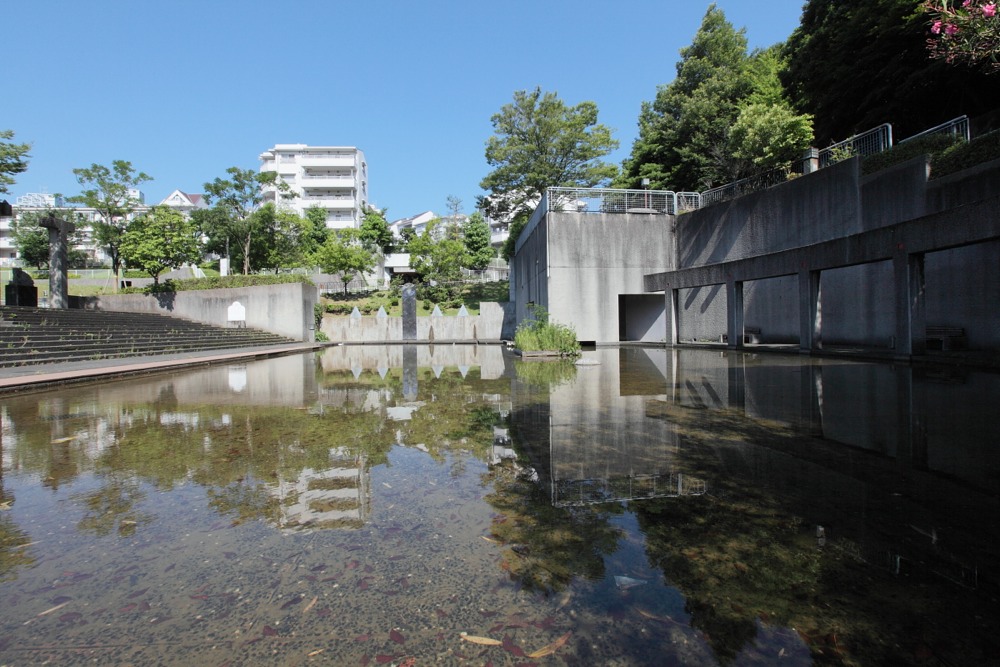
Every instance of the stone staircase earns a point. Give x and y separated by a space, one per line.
42 336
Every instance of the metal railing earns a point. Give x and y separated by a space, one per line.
753 183
609 200
873 141
956 127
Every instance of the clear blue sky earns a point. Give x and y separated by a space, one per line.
184 89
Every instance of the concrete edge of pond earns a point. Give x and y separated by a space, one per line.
46 376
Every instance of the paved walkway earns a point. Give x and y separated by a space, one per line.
41 375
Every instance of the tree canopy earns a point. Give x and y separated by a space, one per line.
344 254
476 236
539 142
32 240
855 64
159 240
13 159
238 197
723 116
375 232
112 193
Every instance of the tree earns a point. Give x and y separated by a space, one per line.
284 239
476 235
375 233
345 254
159 240
539 142
32 240
318 231
439 260
855 64
239 196
683 133
112 194
965 35
13 159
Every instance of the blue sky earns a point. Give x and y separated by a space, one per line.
184 89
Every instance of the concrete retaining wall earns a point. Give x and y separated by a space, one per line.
286 309
494 323
577 264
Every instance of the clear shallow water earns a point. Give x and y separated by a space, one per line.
370 505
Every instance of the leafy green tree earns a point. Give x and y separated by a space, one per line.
683 133
213 227
32 240
476 235
318 231
439 260
239 196
110 192
855 64
13 159
767 136
539 142
285 241
346 255
375 233
160 240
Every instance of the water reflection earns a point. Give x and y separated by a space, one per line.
370 504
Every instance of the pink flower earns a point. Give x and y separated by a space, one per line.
990 10
967 3
950 29
936 27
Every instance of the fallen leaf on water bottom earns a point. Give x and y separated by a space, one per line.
551 648
485 641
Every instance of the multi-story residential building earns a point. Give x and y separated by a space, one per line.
334 178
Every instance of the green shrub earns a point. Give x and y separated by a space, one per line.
321 337
929 145
966 154
218 282
537 333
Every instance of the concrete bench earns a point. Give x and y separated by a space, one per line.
945 338
751 336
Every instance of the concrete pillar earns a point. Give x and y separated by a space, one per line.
409 312
810 160
734 313
737 377
810 311
59 231
670 311
910 302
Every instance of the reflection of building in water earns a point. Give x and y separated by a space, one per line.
590 437
566 492
337 497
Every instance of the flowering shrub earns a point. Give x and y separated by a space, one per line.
966 33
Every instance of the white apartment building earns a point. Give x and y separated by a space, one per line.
334 178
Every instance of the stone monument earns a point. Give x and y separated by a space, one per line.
59 231
21 290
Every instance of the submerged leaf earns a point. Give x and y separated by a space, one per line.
485 641
551 648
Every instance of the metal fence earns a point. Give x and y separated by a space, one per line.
871 142
745 186
609 200
958 128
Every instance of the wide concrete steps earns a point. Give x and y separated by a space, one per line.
40 336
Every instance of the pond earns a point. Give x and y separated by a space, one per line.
412 505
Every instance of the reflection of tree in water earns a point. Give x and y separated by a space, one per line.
14 552
114 507
547 373
546 546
